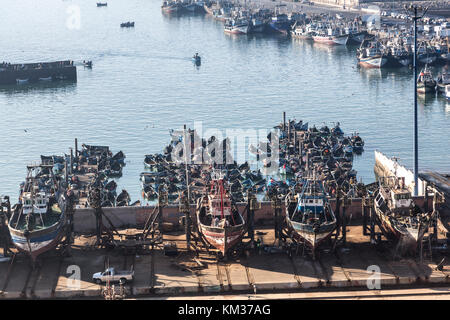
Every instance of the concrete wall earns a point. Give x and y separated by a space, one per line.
130 217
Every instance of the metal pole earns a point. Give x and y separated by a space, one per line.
416 148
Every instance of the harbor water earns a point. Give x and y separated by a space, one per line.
143 83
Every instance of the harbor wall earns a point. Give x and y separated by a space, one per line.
8 77
132 217
135 217
385 166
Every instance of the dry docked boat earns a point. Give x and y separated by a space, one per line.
425 82
311 219
218 219
37 223
400 218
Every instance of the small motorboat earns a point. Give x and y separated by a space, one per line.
100 4
87 64
127 24
197 59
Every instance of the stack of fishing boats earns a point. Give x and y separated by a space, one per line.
167 172
328 151
103 166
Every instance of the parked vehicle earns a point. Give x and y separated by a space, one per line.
113 275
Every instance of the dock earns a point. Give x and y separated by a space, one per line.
266 271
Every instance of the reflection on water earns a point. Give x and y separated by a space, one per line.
43 87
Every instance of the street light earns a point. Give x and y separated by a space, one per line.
415 10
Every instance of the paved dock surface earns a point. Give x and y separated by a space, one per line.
266 272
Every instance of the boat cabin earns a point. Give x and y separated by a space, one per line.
216 209
40 203
400 198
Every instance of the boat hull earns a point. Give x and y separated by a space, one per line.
426 88
40 241
237 30
332 41
373 62
409 238
223 239
279 27
306 233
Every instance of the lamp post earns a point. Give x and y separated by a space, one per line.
415 10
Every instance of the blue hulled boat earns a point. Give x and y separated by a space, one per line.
37 223
310 219
280 24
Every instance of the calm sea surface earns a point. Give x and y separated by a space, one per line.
143 83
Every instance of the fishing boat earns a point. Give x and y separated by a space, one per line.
401 56
302 32
370 55
87 64
330 36
170 6
426 54
310 219
127 24
442 81
256 25
357 143
425 82
399 217
197 59
236 26
219 221
280 23
100 4
37 223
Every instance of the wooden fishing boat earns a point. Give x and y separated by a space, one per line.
425 82
310 219
442 81
370 55
218 219
37 224
400 218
